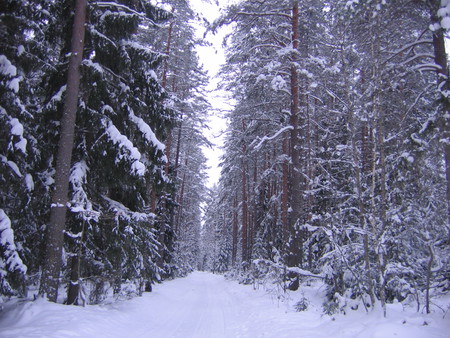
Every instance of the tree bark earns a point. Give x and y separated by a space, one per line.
244 203
164 85
440 58
235 230
295 253
285 195
55 230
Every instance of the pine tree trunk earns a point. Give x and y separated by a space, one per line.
285 195
55 230
440 58
429 276
360 167
164 85
74 283
244 205
295 253
235 231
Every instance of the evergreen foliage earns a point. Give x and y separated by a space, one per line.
372 218
120 224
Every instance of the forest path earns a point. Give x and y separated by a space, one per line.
200 305
204 305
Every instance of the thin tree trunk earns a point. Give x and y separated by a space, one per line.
244 206
74 292
379 228
235 231
440 58
295 254
360 173
429 276
164 85
285 196
55 230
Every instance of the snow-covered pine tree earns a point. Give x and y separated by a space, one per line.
119 154
184 82
24 60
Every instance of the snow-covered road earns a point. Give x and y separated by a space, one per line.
206 305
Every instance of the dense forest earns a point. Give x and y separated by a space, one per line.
137 173
336 161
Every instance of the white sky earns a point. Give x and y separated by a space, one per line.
212 57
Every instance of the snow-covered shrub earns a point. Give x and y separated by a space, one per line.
302 304
330 307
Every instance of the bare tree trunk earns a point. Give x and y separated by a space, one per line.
244 204
235 231
285 196
360 174
295 254
164 85
75 290
55 230
429 276
379 227
440 58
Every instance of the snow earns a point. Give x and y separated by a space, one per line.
58 96
20 50
9 70
14 84
278 83
147 131
13 261
6 67
133 154
29 182
17 130
207 305
14 167
269 138
123 212
93 65
445 22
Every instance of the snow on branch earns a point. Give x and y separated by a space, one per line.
269 138
148 133
131 152
121 8
12 165
265 14
409 46
94 31
118 6
304 273
428 67
80 202
126 214
17 130
10 259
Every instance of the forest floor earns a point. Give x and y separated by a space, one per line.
209 306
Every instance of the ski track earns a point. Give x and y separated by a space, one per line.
204 305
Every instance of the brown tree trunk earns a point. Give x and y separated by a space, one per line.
235 230
285 195
74 292
164 85
295 252
429 276
55 230
244 206
440 58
